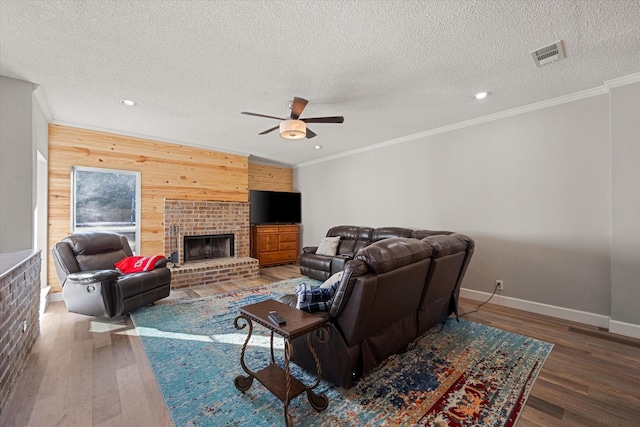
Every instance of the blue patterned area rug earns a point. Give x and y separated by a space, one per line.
467 374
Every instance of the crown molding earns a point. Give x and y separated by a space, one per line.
622 81
41 99
600 90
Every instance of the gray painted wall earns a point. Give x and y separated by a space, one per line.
40 126
533 190
17 165
625 222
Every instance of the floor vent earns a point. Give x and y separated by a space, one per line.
547 54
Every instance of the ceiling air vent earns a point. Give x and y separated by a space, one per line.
547 54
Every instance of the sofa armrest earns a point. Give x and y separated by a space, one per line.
130 285
92 276
64 261
346 257
309 249
338 262
90 292
352 271
161 263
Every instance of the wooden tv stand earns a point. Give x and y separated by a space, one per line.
274 244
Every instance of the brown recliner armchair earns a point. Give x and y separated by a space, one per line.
92 286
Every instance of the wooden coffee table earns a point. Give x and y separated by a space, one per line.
279 380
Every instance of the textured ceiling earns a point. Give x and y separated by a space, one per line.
391 68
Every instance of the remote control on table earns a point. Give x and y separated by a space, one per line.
275 317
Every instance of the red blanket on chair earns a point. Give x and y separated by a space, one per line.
136 264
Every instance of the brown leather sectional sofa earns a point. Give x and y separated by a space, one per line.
352 239
392 292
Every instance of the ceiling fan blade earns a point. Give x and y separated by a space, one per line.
310 133
336 119
261 115
297 107
269 130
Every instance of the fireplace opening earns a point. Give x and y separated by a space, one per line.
199 248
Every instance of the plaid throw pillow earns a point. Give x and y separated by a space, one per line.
315 298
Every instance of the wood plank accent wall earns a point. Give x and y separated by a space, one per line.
168 171
263 177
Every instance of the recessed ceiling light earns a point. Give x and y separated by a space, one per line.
317 147
128 102
482 95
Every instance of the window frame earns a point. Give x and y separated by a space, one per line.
117 229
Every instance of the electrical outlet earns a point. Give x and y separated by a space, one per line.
500 285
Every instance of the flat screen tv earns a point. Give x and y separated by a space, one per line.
274 207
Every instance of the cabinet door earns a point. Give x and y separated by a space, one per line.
267 242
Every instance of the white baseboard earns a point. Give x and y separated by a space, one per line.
44 299
626 329
540 308
55 296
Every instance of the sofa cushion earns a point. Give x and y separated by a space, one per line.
389 254
103 261
98 250
328 246
350 232
446 245
390 232
135 284
94 242
421 234
316 262
352 238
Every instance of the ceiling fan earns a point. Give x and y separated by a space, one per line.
294 127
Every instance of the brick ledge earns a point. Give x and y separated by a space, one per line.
213 271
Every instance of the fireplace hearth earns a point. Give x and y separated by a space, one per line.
204 218
207 247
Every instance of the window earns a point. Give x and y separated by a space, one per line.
106 200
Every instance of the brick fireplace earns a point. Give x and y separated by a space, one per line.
194 220
208 246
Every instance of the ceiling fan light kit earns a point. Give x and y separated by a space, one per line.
293 129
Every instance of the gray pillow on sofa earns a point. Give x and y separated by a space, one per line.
328 246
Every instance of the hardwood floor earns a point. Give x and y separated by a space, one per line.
591 377
85 371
